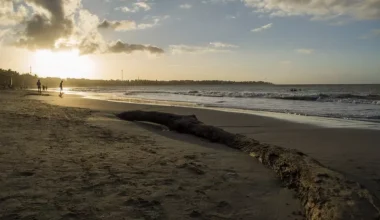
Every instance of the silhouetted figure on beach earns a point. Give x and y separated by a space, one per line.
61 88
39 86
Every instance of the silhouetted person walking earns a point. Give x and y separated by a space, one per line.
39 86
61 87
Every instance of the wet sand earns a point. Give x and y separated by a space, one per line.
61 162
353 152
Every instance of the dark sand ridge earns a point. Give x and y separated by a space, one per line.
70 163
325 194
353 152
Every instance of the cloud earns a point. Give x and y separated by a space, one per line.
318 9
120 47
262 28
142 5
181 49
155 21
123 25
305 51
90 46
185 6
48 25
124 9
222 45
213 47
89 39
87 22
143 26
217 1
127 25
136 7
4 33
11 14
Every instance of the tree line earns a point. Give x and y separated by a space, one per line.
13 79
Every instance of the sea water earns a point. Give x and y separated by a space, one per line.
347 104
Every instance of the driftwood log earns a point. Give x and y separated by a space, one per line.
324 193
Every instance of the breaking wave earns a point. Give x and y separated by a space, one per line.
344 98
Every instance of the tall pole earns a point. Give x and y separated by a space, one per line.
30 70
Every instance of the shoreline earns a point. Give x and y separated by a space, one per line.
320 121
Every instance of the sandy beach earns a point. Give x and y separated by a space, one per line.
78 161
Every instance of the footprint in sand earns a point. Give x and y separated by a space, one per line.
26 173
148 150
195 214
190 157
229 175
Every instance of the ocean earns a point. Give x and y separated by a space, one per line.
346 103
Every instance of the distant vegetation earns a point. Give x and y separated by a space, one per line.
13 79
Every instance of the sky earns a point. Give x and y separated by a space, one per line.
280 41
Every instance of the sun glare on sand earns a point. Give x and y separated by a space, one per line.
62 64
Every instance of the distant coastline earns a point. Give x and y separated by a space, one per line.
10 78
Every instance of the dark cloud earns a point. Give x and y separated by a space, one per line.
105 24
55 7
43 31
120 47
123 25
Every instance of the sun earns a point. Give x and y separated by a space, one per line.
62 64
